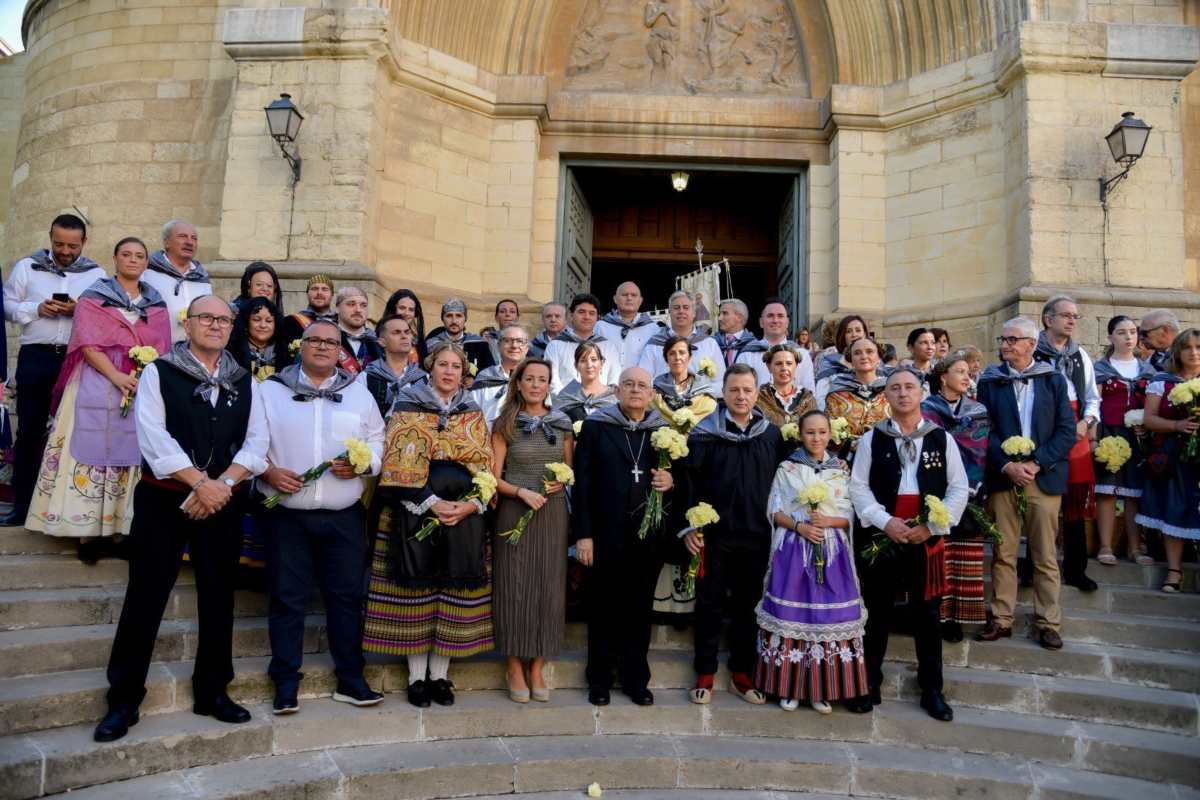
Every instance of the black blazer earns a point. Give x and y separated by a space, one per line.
1053 430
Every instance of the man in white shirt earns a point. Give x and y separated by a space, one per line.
308 413
626 325
490 388
585 313
897 465
193 410
176 274
40 296
775 322
554 322
683 323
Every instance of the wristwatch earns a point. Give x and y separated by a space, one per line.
230 482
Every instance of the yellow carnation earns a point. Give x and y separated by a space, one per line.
1113 452
562 473
359 455
936 512
707 368
790 432
294 346
143 354
594 790
577 427
1018 446
685 418
839 430
813 494
182 316
702 514
264 372
673 443
485 485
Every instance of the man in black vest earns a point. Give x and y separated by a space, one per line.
898 463
193 408
614 472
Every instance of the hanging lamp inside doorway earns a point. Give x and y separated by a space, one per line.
679 180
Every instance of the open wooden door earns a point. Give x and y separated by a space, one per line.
791 268
575 240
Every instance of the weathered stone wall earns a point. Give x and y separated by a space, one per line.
12 96
126 112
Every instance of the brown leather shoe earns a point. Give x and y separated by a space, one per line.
993 632
1049 639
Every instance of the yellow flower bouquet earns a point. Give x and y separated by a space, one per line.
685 419
293 347
1187 395
357 452
790 432
671 446
707 368
839 430
485 489
141 356
264 372
698 516
1113 452
812 496
934 513
1019 448
557 472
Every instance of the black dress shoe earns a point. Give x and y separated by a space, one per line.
859 705
1081 582
599 697
14 518
641 697
442 692
89 552
360 696
285 702
222 709
952 632
875 697
116 723
935 705
418 694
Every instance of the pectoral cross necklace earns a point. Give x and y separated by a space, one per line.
637 472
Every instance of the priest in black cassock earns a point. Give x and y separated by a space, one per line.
614 473
732 457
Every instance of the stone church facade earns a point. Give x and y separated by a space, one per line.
943 156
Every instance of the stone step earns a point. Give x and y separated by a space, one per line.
52 700
55 761
41 650
522 765
60 572
1120 599
19 541
1151 576
1123 630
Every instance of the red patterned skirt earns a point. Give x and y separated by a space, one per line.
963 600
794 669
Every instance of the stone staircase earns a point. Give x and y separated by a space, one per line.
1114 714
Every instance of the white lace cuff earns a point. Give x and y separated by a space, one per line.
418 510
479 507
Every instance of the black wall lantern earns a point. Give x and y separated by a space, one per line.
1127 141
284 120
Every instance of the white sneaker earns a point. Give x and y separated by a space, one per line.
789 705
821 707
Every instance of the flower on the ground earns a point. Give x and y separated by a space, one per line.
707 368
1113 452
1018 446
594 790
790 432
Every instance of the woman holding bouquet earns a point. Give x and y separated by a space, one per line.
431 600
811 618
92 462
857 395
529 604
1172 494
678 388
580 398
781 400
966 420
1121 378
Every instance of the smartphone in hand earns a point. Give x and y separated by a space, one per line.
61 297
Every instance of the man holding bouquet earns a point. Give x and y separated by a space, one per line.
1028 399
732 458
323 432
909 488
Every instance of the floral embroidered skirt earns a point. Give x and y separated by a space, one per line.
79 500
794 669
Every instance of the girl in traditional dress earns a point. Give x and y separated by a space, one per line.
579 399
850 329
811 617
529 580
857 396
781 401
431 600
1171 500
1121 379
92 461
254 342
677 390
967 422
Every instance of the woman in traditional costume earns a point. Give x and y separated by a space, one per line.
967 422
678 388
857 395
405 304
579 399
850 329
254 342
922 353
92 461
431 600
811 618
781 400
1121 379
529 579
1171 500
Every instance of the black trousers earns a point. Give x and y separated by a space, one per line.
330 546
1075 555
620 603
37 371
904 571
731 587
158 535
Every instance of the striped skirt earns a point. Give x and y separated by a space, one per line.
963 600
404 622
795 669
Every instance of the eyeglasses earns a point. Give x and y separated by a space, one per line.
1075 317
1011 340
1148 331
322 344
508 340
208 320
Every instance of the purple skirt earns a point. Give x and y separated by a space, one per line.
795 605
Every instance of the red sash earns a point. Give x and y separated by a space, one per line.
348 362
908 506
1080 500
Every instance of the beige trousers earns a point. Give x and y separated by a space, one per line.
1041 527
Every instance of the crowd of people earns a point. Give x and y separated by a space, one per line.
450 493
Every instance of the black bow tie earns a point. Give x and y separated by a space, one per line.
323 394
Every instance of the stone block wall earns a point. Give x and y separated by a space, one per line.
12 96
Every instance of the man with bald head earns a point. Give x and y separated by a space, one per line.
615 469
176 274
627 325
193 410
